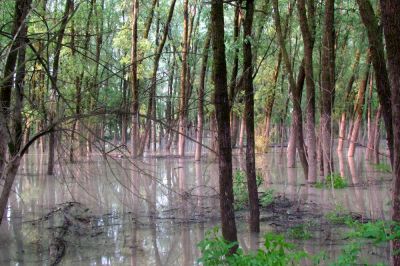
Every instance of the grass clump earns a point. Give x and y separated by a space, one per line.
333 180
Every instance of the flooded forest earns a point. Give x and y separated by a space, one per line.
199 132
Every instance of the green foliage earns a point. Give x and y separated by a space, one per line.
240 191
349 255
339 216
383 167
275 251
334 180
379 231
301 231
267 197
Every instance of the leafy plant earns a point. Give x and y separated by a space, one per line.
334 180
267 197
379 231
339 216
275 251
240 191
301 231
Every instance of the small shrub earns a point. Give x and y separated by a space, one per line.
301 231
338 216
267 197
240 191
334 180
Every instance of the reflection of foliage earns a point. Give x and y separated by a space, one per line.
275 251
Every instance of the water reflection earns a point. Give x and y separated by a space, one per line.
155 211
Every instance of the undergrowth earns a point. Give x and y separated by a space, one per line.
241 194
334 180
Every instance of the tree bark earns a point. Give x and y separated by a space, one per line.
200 95
391 26
358 109
249 112
183 96
221 103
134 80
53 93
307 26
328 85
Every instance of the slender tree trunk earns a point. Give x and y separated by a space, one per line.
307 29
221 103
328 85
249 112
358 109
53 93
201 91
391 26
342 125
183 96
134 80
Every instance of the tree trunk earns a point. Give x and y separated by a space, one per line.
201 91
391 26
342 125
249 112
221 103
358 109
328 85
134 80
183 96
53 94
307 29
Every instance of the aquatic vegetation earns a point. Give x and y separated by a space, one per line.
241 193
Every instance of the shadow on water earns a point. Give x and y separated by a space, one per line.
155 211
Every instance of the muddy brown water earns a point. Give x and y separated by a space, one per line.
154 212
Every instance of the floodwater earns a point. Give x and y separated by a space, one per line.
155 211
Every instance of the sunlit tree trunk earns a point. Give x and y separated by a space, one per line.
228 223
342 123
358 109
